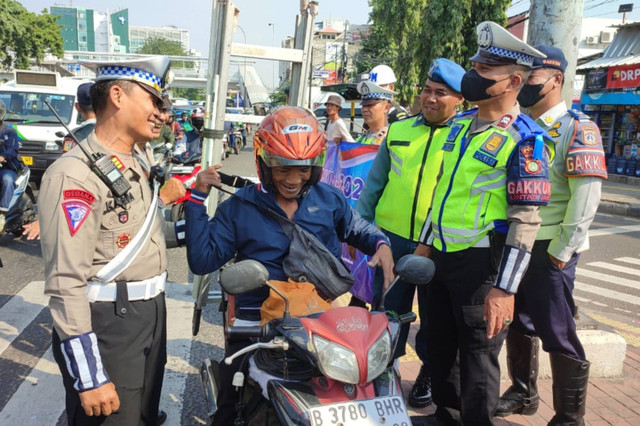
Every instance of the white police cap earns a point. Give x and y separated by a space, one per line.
369 90
497 46
152 73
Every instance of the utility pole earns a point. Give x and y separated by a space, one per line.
558 23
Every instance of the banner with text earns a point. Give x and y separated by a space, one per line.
346 168
623 77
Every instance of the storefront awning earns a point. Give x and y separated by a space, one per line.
611 98
623 50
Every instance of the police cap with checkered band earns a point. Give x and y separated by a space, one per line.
152 73
497 46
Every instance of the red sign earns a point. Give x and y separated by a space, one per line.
627 76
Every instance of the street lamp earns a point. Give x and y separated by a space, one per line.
273 63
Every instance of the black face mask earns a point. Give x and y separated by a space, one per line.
474 86
530 94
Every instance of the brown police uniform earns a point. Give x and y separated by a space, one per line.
82 232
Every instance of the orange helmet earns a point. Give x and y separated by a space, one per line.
289 137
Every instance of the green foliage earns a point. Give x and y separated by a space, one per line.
191 94
163 46
418 31
278 97
376 49
25 36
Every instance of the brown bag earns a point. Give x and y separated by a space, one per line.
303 300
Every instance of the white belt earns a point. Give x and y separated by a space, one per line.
137 290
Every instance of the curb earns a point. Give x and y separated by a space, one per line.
621 209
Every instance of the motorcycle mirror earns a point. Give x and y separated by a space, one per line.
243 276
60 134
418 270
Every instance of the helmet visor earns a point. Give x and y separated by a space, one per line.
272 160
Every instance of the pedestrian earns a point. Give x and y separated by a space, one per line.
289 151
544 304
397 196
482 226
383 76
104 249
336 129
9 163
85 111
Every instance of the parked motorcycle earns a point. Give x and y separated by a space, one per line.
329 368
22 208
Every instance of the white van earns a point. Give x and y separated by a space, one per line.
25 97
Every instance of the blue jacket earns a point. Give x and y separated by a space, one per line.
239 227
9 146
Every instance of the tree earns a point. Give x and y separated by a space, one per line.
420 31
163 46
25 36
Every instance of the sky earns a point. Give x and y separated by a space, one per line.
195 16
255 16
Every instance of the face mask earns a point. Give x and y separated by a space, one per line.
530 94
474 86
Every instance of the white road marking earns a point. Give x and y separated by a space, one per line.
622 297
614 230
632 260
608 278
18 312
616 268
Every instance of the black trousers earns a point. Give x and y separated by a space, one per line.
455 304
544 304
134 351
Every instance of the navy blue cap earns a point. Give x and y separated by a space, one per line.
555 58
447 72
84 94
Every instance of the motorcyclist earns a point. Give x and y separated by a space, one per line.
172 123
289 150
9 163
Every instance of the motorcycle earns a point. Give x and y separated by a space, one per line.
22 208
329 368
184 167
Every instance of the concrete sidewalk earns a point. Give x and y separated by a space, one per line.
621 196
614 401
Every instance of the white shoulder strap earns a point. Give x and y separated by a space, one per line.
118 264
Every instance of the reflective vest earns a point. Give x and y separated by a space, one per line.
471 197
415 152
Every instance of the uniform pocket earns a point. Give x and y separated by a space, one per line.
473 316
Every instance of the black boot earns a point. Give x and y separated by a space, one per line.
522 362
420 395
570 381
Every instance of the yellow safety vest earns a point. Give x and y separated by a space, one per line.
415 151
471 196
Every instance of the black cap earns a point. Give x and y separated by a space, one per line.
84 94
555 58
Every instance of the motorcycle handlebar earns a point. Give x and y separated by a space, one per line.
407 318
246 332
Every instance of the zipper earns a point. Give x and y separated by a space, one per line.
432 130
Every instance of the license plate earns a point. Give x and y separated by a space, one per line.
27 160
389 410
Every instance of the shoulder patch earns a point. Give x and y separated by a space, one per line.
585 156
528 177
76 213
78 194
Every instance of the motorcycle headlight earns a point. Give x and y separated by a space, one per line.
336 361
378 356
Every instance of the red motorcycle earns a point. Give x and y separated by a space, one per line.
329 368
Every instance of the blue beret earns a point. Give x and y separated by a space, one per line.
447 72
84 94
555 58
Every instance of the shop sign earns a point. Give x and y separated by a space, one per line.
623 77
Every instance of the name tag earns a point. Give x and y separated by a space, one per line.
485 158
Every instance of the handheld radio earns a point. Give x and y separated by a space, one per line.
104 168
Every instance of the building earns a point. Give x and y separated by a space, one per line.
87 30
138 36
611 94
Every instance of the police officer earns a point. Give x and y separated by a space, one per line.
397 195
482 226
383 76
544 304
105 255
375 104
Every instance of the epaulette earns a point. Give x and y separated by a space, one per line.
579 115
467 112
